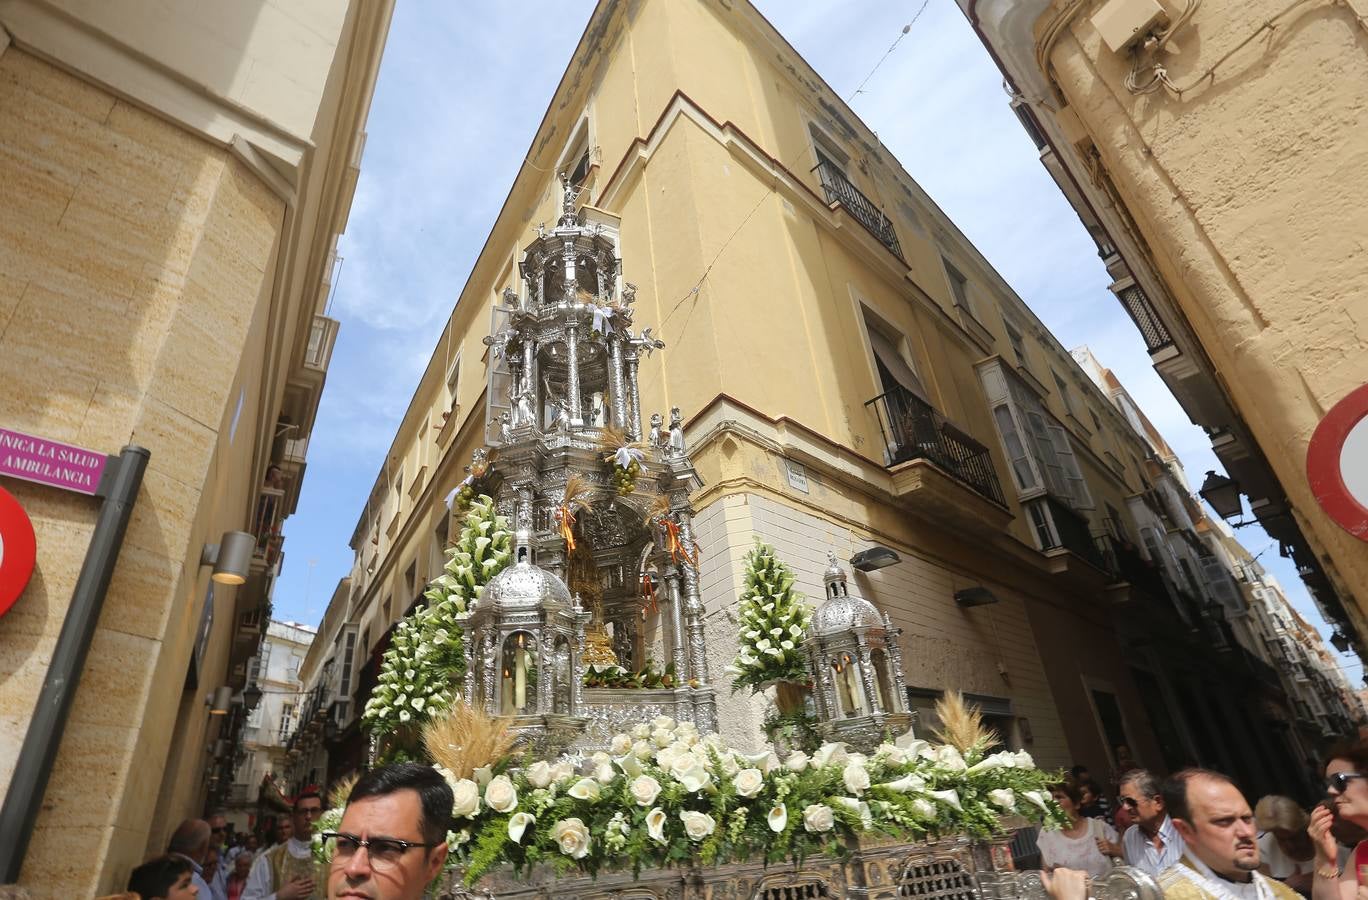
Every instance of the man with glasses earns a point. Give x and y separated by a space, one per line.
287 871
391 843
1152 844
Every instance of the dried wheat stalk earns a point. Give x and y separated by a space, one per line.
466 738
962 725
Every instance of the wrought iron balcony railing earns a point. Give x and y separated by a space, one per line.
1126 564
839 190
1071 529
913 429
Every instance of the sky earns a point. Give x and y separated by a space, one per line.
461 90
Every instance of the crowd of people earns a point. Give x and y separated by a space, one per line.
1196 834
392 811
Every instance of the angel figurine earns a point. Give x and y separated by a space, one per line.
657 427
676 446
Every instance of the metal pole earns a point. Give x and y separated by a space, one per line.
122 479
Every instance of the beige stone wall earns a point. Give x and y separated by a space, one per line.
1247 191
134 260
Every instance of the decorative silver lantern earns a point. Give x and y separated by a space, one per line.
524 639
852 651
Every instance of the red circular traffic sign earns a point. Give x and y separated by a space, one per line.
18 549
1325 458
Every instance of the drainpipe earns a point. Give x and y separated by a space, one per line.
118 490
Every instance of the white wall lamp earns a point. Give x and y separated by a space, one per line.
219 701
231 557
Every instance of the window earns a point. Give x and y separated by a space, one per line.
453 380
959 286
1016 450
411 577
830 158
1041 525
577 160
892 365
1096 419
387 609
1115 526
1018 345
1063 392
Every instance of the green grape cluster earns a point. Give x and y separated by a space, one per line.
625 479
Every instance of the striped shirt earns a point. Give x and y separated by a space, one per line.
1141 852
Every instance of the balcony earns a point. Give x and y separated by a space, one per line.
322 336
1152 329
1068 546
839 190
270 513
1129 569
912 429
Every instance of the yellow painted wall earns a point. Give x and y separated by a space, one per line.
135 261
1247 192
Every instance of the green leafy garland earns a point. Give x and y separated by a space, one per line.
426 656
618 677
666 796
773 622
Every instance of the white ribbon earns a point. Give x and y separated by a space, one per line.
623 457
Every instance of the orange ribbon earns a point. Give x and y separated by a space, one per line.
678 552
648 595
566 518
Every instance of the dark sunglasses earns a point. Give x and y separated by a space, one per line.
1340 780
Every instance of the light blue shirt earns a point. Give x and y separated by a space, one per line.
197 877
1141 852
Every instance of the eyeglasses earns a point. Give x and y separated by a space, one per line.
312 811
1340 781
383 852
1129 803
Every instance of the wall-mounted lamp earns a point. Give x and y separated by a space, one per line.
219 701
1223 494
251 696
875 557
974 596
231 557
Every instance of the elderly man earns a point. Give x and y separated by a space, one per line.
190 842
287 871
1152 844
391 843
1221 856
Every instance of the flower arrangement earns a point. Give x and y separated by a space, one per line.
619 677
426 656
773 622
666 795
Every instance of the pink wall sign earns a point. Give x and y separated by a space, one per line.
50 462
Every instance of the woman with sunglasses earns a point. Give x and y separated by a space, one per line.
1346 784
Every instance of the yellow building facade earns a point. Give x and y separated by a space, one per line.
1206 147
172 184
852 373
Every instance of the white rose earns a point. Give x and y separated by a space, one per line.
683 761
642 750
644 790
696 779
584 789
666 757
562 771
729 764
641 732
621 744
598 758
697 825
797 761
662 738
833 754
748 782
908 784
924 808
518 824
1003 798
950 758
538 774
663 723
893 753
949 798
572 837
655 825
1024 761
465 802
483 774
777 818
856 778
604 773
818 818
501 795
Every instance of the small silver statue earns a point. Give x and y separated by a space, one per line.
522 409
676 446
655 439
505 428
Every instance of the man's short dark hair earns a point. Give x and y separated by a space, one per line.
156 877
305 795
1078 772
433 793
1144 782
1176 790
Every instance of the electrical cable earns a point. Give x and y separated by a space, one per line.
906 28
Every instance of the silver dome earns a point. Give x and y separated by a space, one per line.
524 585
842 613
